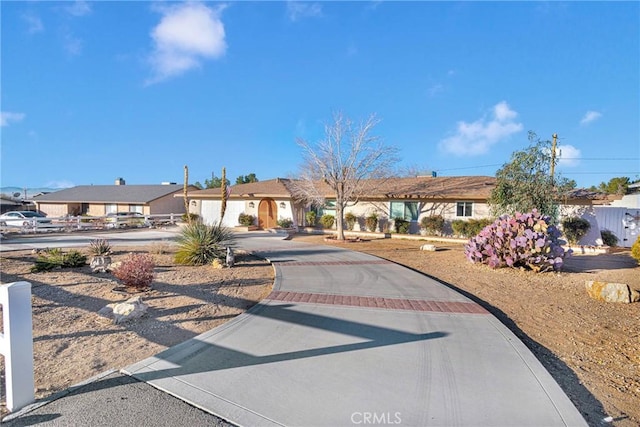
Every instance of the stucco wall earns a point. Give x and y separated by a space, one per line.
210 212
445 208
53 210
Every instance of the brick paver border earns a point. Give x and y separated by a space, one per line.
379 302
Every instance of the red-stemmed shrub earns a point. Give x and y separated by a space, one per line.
136 271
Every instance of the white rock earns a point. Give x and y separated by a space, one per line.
611 292
431 248
120 312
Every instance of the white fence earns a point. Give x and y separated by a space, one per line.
623 222
16 343
75 223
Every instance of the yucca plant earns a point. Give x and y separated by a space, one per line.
99 247
200 244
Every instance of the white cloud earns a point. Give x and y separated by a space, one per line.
79 8
568 155
59 184
589 117
478 137
298 10
7 117
435 89
34 23
73 45
187 33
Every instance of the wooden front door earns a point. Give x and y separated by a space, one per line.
267 213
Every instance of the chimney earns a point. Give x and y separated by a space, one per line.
119 181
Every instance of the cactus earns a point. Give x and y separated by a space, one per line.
524 240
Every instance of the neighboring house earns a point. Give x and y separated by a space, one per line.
11 204
100 200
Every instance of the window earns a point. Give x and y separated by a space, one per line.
464 209
136 208
407 210
110 208
329 208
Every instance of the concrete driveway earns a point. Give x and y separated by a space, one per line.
349 339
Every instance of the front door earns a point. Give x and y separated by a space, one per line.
267 213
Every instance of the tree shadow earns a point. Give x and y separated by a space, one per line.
593 263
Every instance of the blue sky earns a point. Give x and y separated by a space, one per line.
92 91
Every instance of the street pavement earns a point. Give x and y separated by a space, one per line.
133 237
344 339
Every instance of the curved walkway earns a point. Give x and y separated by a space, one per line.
348 339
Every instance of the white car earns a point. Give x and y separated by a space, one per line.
23 219
126 219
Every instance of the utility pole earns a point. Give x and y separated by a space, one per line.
553 156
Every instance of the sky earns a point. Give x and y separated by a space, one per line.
93 91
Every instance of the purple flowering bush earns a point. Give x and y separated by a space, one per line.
526 240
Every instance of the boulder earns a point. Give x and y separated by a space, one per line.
120 312
430 248
611 292
100 264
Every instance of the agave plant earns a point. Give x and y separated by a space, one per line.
200 244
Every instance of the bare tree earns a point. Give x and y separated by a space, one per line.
348 163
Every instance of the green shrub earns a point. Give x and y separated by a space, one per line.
199 244
99 247
285 222
459 227
635 250
469 228
55 258
246 219
401 225
433 224
311 218
575 228
350 220
371 222
136 271
190 217
608 238
475 226
327 220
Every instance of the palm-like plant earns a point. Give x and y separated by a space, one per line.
200 244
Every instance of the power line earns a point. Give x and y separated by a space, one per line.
469 167
601 173
599 158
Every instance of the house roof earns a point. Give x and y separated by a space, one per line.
110 194
271 188
461 187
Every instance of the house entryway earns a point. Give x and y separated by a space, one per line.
267 214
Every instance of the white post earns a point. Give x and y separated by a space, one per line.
16 343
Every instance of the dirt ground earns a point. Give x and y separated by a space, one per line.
73 343
591 348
